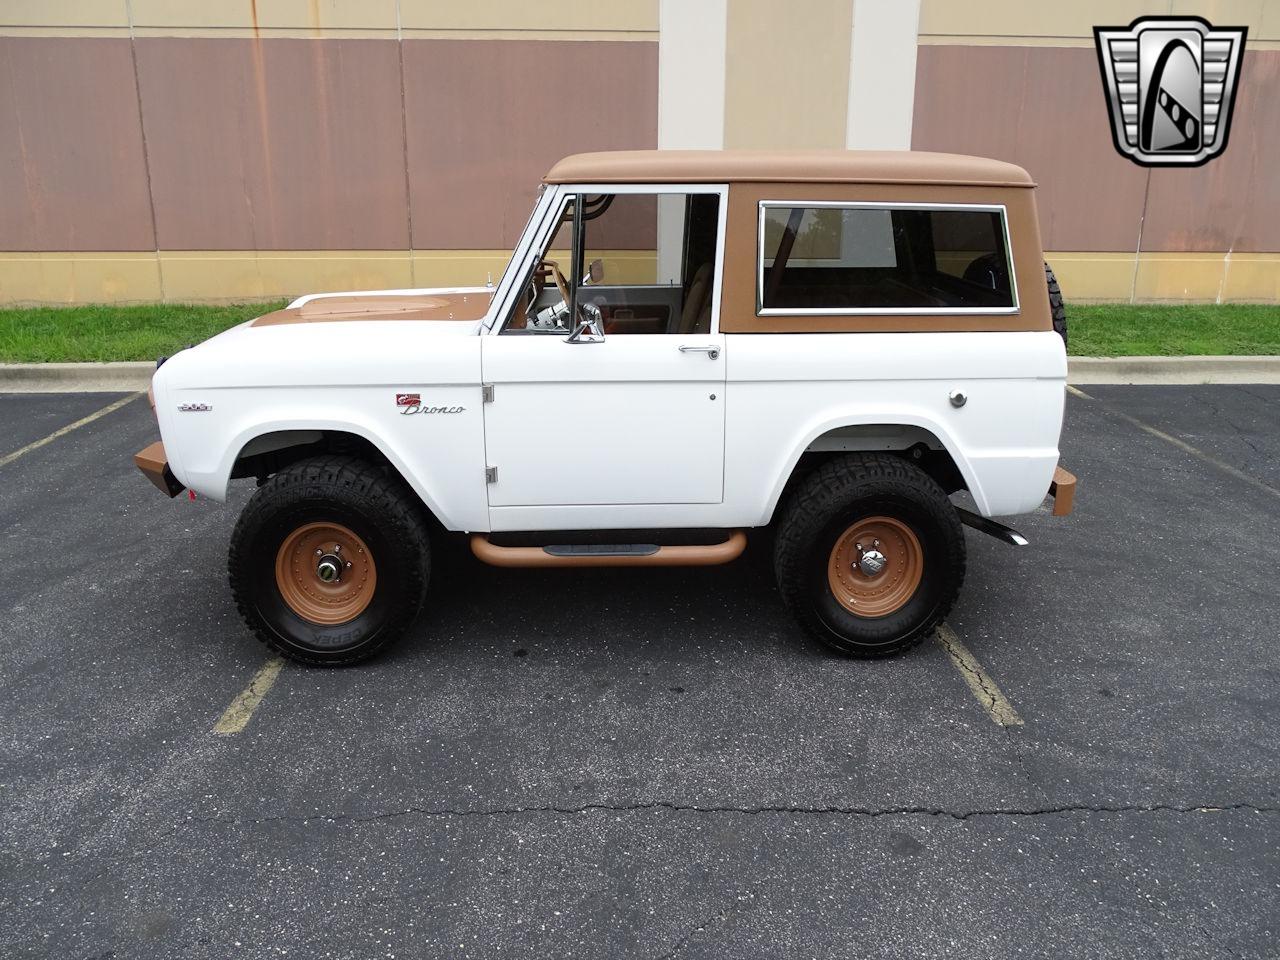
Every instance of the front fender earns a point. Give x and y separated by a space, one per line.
441 456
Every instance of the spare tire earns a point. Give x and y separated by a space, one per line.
1057 309
992 270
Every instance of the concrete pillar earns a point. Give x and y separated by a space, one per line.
882 74
775 75
691 77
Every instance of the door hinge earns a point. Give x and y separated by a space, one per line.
486 392
490 474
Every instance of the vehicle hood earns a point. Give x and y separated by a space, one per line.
344 340
464 304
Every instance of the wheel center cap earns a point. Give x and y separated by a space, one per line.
872 562
329 568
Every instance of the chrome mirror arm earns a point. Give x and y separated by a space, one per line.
590 329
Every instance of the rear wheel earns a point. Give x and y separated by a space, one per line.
869 555
329 561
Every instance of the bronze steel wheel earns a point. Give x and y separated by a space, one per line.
875 566
869 554
325 573
329 562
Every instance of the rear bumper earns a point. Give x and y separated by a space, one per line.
1063 490
155 467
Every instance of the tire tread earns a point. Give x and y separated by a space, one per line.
812 503
382 495
1057 306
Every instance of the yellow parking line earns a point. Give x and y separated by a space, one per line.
8 458
235 717
984 689
1077 392
1185 447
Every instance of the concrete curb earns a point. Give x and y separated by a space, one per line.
129 377
75 377
1158 370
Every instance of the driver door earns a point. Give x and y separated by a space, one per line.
627 408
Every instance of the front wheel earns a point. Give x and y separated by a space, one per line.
329 561
869 555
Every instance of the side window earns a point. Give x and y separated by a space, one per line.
650 261
646 262
869 258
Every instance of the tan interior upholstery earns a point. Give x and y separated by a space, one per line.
696 315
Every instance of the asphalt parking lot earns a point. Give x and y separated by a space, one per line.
656 763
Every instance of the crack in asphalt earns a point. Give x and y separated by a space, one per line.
1241 433
719 918
867 812
1257 396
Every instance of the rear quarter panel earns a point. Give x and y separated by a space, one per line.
785 390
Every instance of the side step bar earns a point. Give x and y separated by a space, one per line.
991 528
609 555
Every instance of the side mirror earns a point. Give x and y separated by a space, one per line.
590 328
595 271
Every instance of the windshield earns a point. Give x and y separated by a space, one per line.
508 273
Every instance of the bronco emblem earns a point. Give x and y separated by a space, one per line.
1171 84
411 403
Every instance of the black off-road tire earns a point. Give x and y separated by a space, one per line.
1057 308
833 500
379 509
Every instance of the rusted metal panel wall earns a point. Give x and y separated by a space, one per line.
1042 108
487 118
270 143
1234 201
275 144
72 166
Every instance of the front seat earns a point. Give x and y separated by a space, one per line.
696 315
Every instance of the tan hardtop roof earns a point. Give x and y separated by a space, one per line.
811 166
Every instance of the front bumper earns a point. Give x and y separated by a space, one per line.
1063 491
155 467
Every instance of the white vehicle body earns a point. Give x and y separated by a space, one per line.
530 433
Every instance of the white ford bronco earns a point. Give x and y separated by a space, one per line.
684 345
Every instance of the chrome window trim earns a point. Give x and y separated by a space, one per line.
762 311
505 294
537 235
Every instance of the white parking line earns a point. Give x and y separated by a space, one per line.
8 458
1185 447
237 715
985 690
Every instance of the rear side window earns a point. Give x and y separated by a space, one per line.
883 258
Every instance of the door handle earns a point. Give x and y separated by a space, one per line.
712 352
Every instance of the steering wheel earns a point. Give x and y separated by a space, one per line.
540 278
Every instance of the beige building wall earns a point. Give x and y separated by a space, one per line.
1032 94
187 150
786 73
